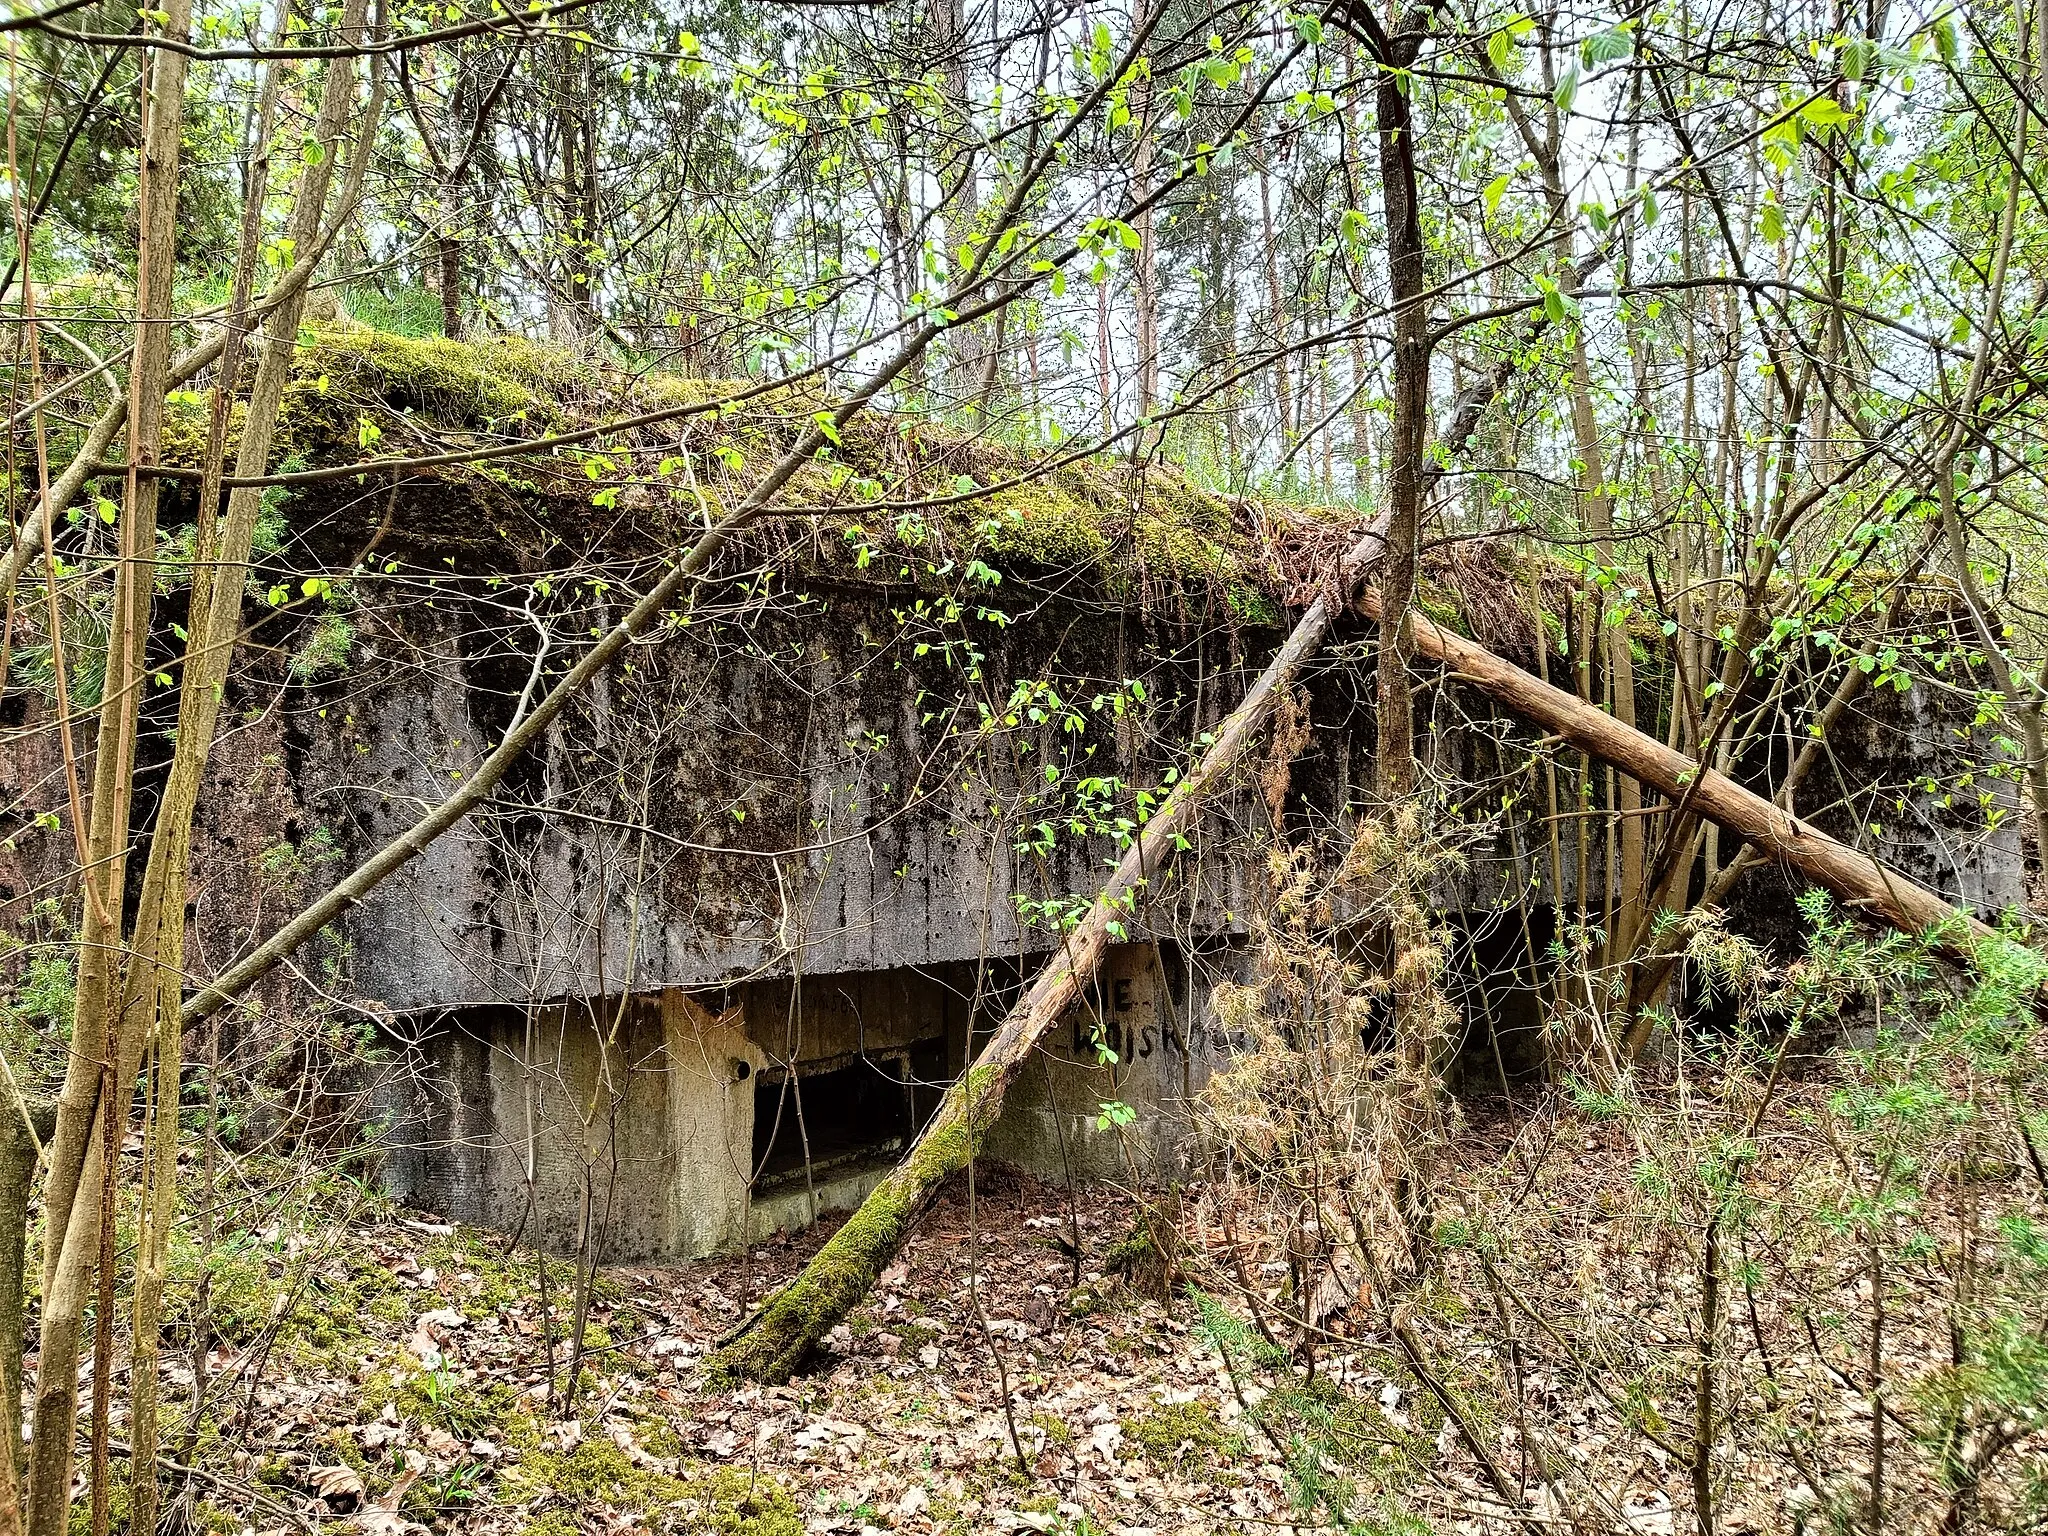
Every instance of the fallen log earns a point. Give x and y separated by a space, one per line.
775 1340
772 1343
1860 881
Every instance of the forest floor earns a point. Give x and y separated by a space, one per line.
410 1391
381 1372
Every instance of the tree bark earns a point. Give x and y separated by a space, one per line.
1596 500
23 1128
1398 192
1417 1089
1276 309
152 986
76 1213
450 250
959 216
1145 293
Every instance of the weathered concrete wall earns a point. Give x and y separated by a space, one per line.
641 1119
1142 1045
808 819
632 1123
808 811
809 814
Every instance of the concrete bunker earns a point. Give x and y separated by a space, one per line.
675 1123
793 807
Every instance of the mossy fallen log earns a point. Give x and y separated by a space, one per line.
774 1342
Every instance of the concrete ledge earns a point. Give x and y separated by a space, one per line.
789 1210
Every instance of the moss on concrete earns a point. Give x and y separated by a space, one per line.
502 383
1155 530
188 421
358 394
899 487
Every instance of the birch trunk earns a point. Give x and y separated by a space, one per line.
79 1215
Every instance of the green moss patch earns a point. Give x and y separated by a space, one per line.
600 1474
452 1399
1154 529
911 487
495 1278
344 375
1176 1432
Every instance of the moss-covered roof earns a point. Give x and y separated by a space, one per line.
901 499
894 485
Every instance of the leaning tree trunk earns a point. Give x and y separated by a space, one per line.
774 1342
1858 879
23 1130
776 1339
